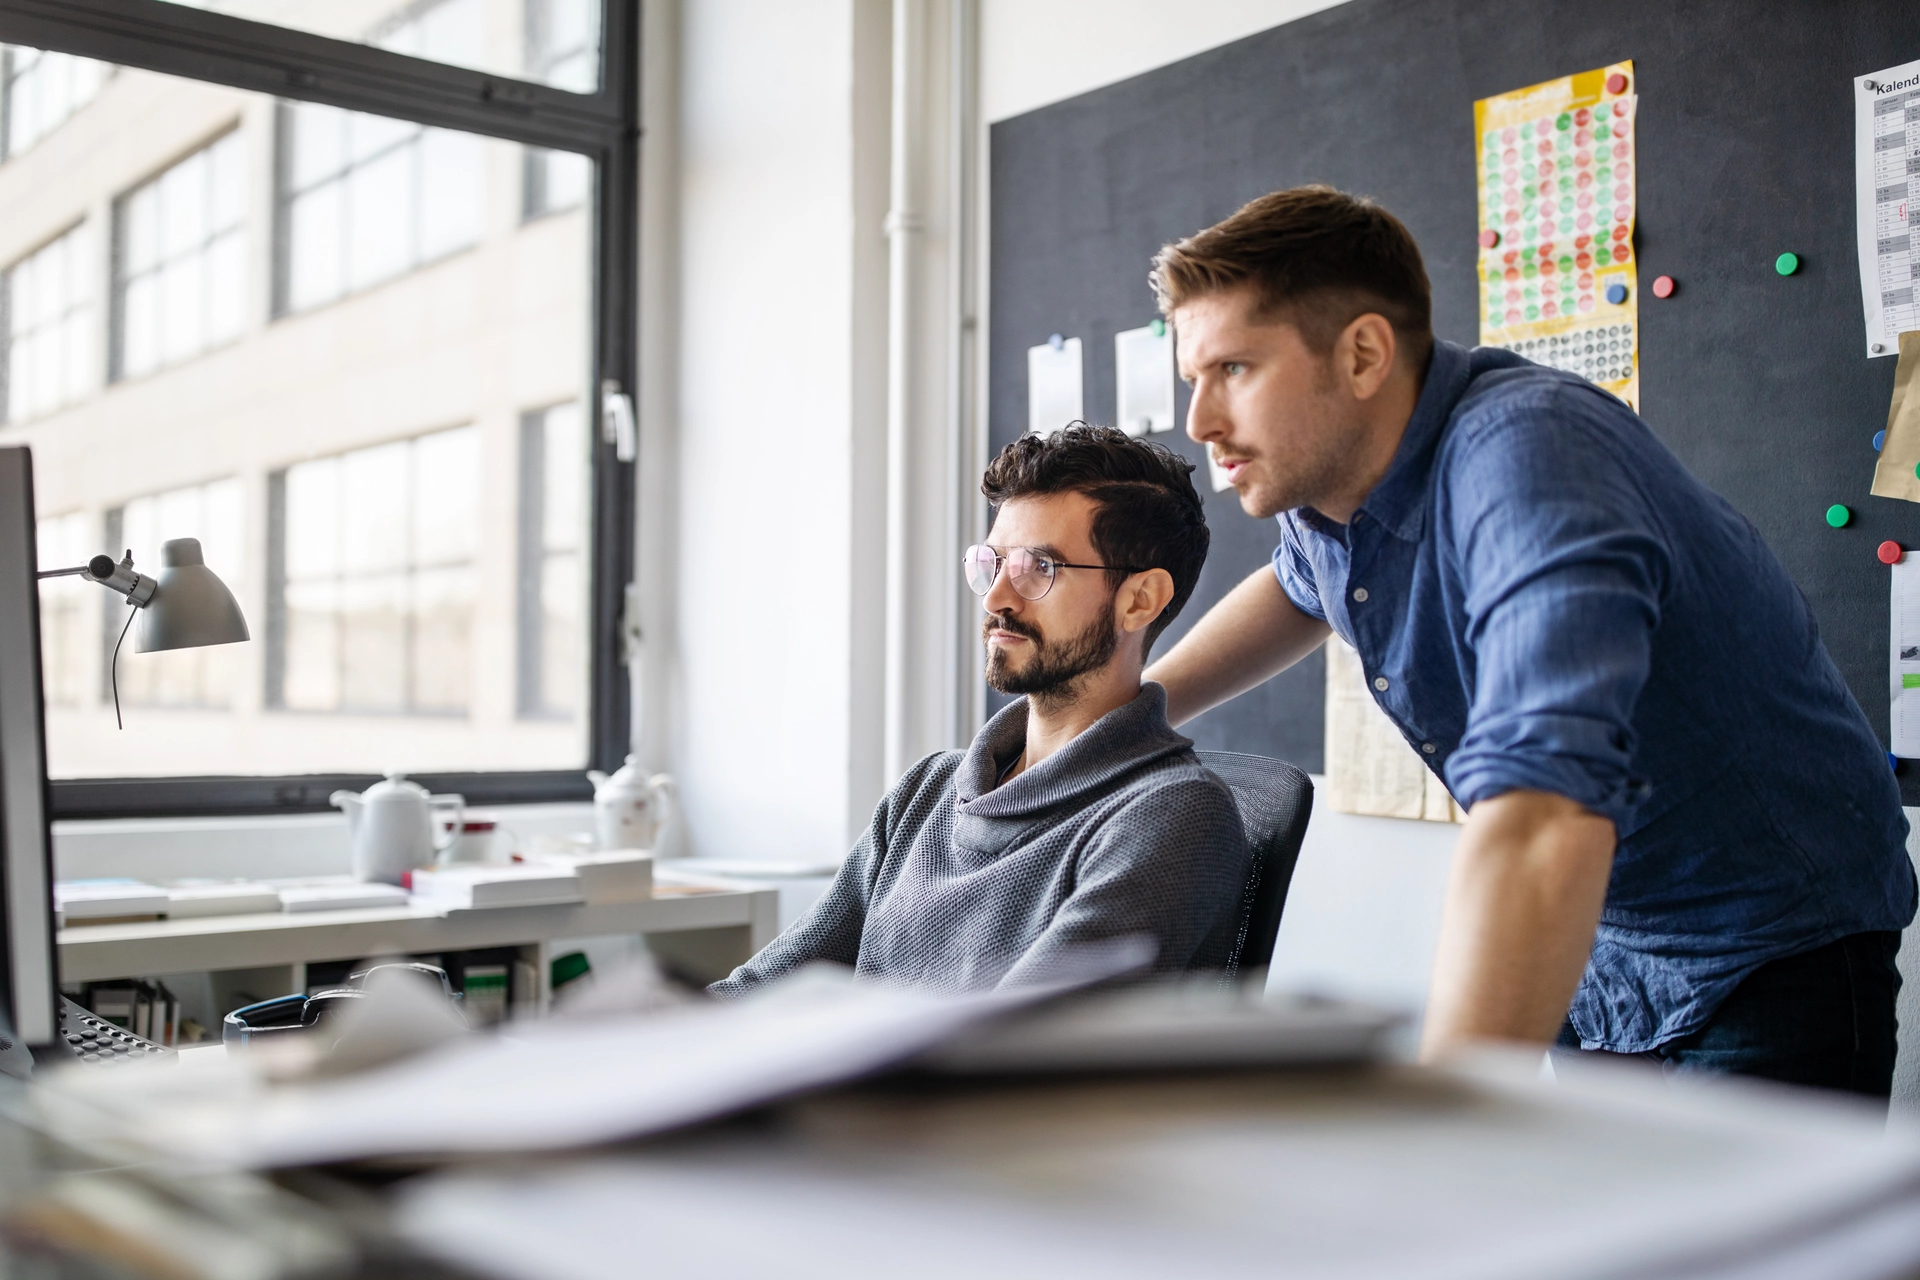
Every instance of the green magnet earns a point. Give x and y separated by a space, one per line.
1159 328
1838 515
1787 263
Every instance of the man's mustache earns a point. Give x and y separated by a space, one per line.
1007 622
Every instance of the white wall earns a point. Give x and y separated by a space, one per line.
778 420
1033 52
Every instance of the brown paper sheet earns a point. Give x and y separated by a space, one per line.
1893 474
1370 768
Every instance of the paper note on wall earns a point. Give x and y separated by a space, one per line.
1370 767
1557 169
1143 379
1903 658
1053 385
1894 474
1886 174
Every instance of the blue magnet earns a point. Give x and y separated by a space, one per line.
1879 439
1055 341
1893 761
1616 294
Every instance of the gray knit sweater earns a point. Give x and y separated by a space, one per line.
959 885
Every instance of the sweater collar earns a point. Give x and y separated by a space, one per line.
1117 743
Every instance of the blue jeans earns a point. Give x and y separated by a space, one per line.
1823 1018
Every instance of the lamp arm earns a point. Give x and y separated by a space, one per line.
121 579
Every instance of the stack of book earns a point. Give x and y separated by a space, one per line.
466 887
107 900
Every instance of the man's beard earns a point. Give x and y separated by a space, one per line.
1051 671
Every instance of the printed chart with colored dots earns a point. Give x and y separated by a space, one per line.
1558 281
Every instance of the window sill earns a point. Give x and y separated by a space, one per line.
306 844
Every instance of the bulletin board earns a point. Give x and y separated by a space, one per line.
1745 132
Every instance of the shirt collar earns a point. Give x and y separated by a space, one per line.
1399 502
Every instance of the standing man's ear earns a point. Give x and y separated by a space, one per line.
1143 597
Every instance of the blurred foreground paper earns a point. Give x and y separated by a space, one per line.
1386 1175
1893 474
567 1083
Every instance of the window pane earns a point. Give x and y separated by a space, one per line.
397 197
343 432
180 280
521 38
552 595
67 610
42 90
49 329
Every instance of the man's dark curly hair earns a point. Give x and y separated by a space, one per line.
1148 512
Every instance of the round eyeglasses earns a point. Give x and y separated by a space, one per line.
1030 572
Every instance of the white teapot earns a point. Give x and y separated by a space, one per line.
393 827
629 808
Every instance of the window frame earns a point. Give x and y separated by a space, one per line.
222 49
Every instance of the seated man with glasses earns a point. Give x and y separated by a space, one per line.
1078 815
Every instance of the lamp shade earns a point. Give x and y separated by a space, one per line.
191 607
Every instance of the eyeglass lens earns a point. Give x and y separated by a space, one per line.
1029 574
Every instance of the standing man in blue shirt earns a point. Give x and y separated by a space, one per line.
1683 840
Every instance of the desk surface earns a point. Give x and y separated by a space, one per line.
91 953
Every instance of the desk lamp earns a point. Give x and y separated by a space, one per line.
188 608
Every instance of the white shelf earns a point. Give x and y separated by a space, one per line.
748 915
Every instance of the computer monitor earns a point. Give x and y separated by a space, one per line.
29 985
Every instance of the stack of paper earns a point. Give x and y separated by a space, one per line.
613 875
518 885
337 893
106 900
191 899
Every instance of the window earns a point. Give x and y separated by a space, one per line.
335 398
66 608
180 261
42 90
213 513
49 327
365 199
486 35
377 579
552 532
563 50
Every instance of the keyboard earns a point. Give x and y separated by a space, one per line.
92 1038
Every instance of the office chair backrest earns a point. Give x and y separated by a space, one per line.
1275 801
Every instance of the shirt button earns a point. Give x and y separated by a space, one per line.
1360 595
1428 747
1380 683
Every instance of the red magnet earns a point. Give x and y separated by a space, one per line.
1616 83
1489 238
1663 286
1890 553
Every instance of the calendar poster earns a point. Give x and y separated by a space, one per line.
1556 164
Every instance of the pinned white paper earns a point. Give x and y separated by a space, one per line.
1903 658
1886 140
1053 385
1143 379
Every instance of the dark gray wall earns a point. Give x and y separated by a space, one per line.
1745 136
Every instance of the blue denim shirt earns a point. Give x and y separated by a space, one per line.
1544 598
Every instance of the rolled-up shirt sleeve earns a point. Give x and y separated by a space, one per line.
1565 565
1295 571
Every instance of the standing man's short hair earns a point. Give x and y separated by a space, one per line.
1317 258
1147 510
